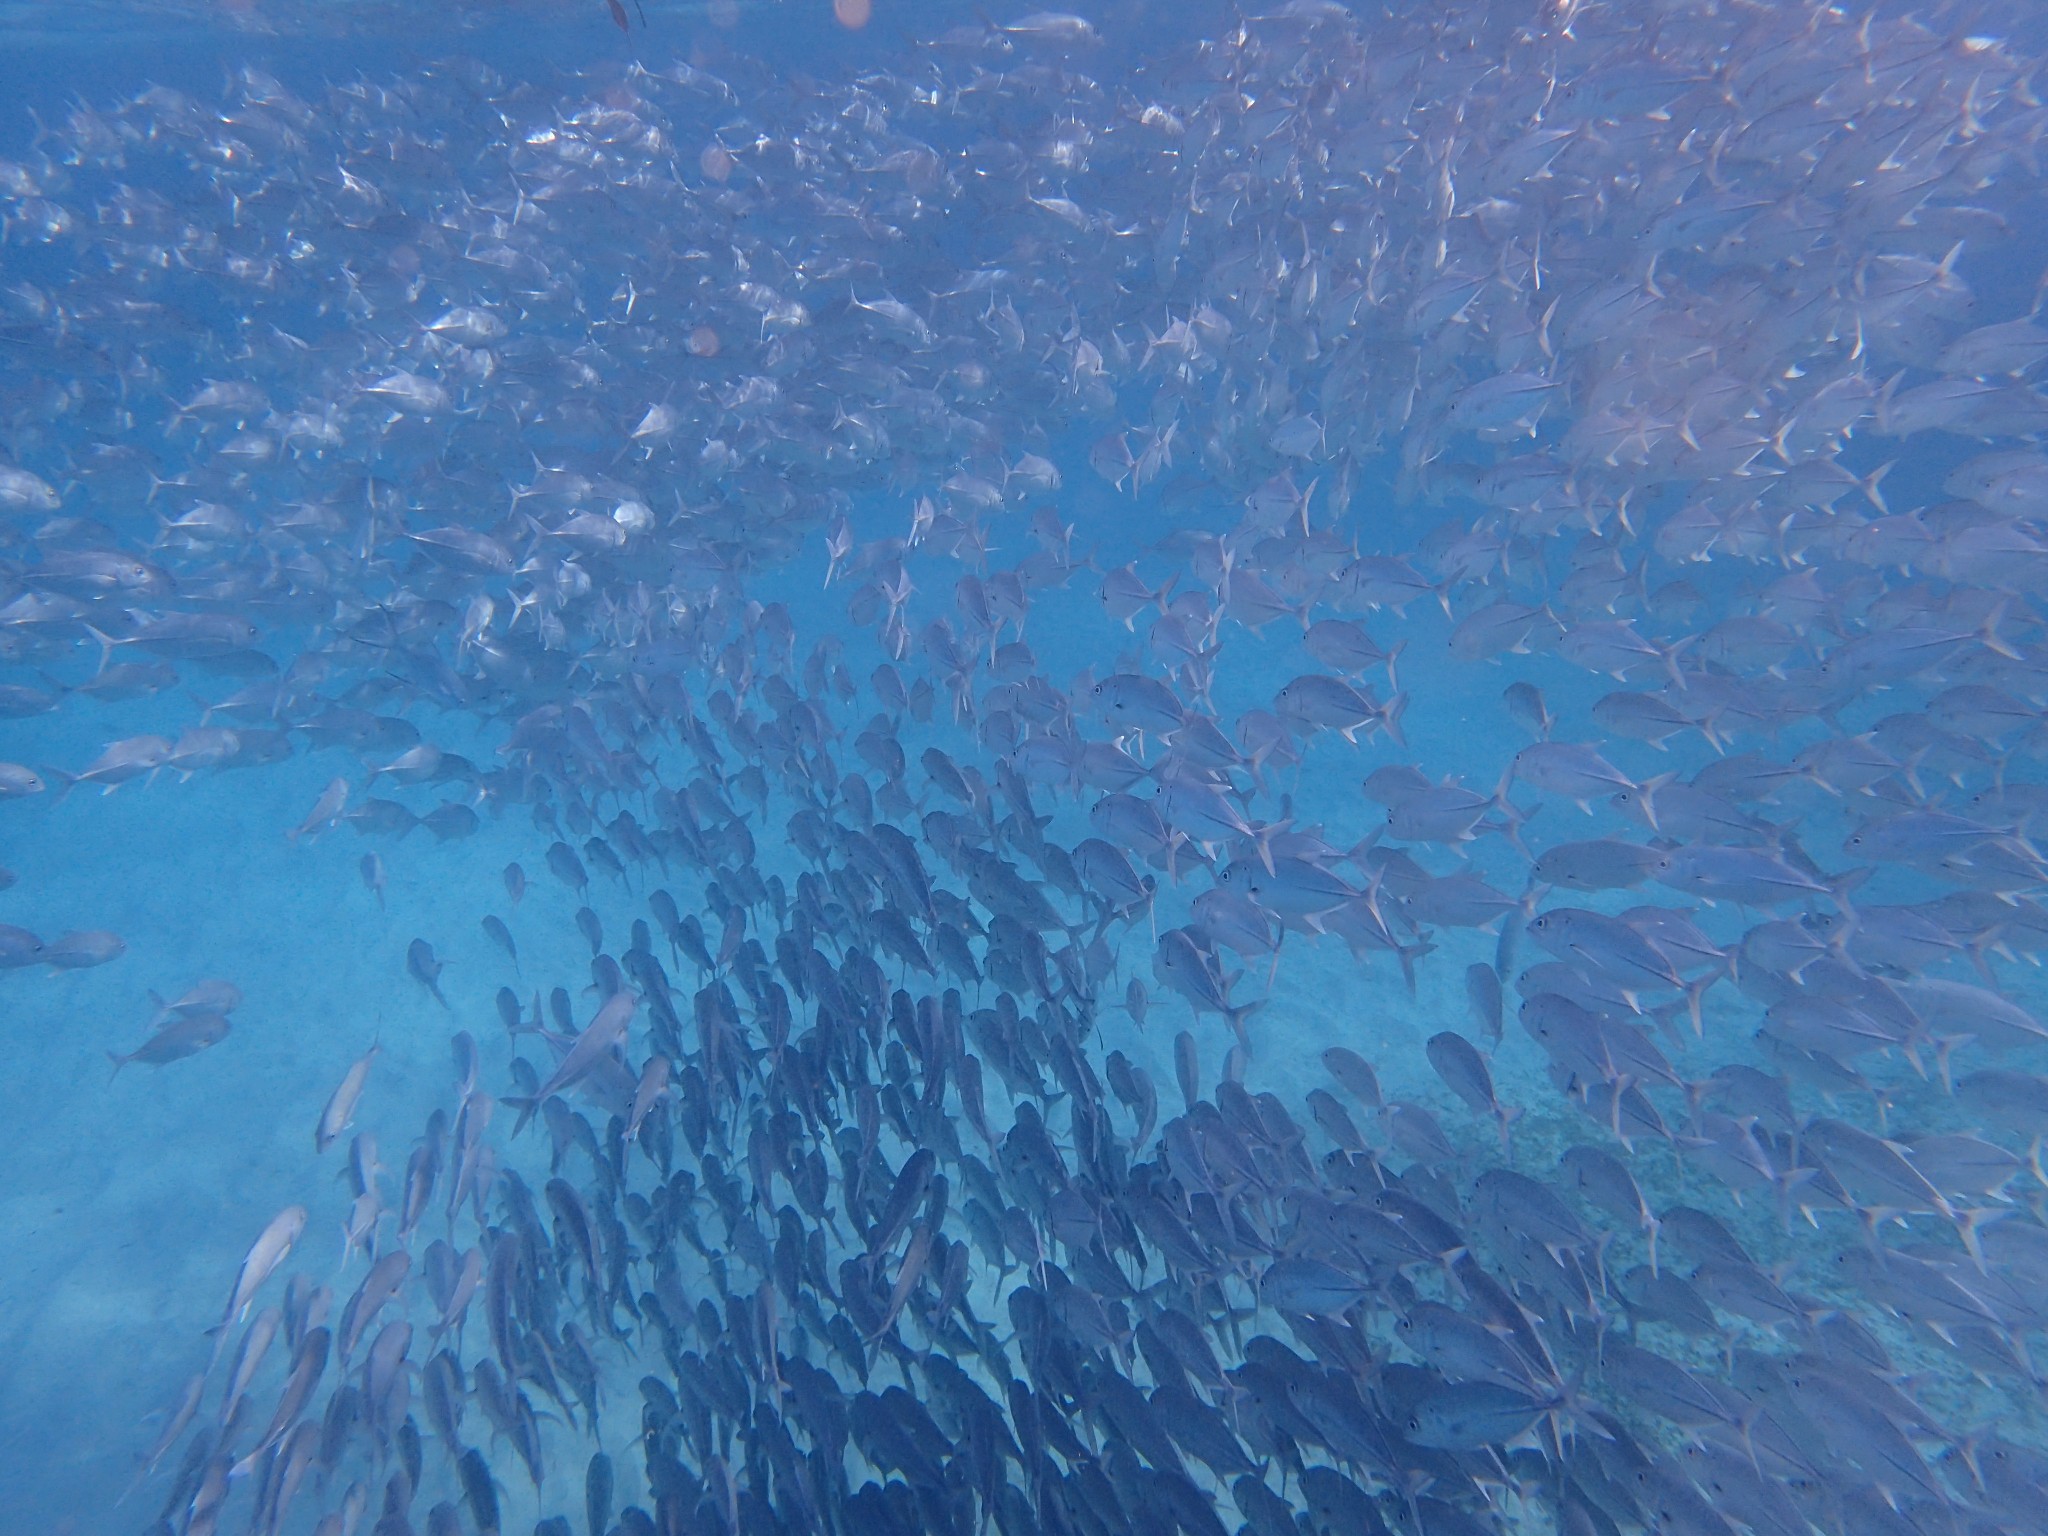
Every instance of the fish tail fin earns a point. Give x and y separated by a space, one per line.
1671 653
122 1061
1263 837
106 643
1977 948
1358 850
1165 593
1572 1409
1993 641
1967 1222
1785 1184
1840 887
1884 402
1514 818
1408 955
1945 1047
1390 717
1649 788
1237 1014
526 1108
1694 992
1639 579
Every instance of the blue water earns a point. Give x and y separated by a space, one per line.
290 197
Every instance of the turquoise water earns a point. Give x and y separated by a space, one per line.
892 496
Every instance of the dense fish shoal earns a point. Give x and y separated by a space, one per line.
1073 777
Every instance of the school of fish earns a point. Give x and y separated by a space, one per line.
1030 604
